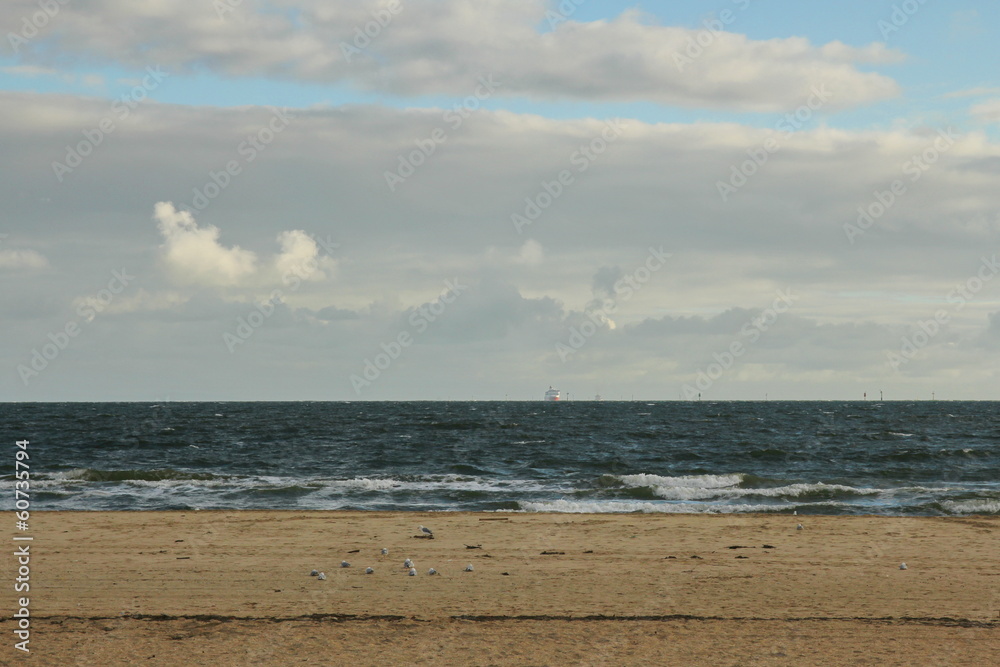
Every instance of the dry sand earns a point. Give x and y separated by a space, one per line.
233 588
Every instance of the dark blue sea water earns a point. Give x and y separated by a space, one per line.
933 458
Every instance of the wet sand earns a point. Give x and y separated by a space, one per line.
233 588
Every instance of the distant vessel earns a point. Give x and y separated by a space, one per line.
598 398
552 394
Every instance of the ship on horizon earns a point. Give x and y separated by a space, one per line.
552 394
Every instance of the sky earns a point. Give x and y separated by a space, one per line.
448 200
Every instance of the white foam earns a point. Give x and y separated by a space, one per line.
972 506
617 506
703 487
364 484
791 490
685 481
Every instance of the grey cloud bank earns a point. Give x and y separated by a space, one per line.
324 177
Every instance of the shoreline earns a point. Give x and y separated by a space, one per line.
213 575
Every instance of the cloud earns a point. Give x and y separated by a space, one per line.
979 91
193 255
333 314
29 70
655 186
604 281
22 259
530 253
141 301
487 310
300 257
433 47
988 111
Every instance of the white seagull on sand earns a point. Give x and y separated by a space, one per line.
468 568
314 573
385 552
426 531
407 563
798 527
902 566
413 571
344 563
368 570
321 576
432 571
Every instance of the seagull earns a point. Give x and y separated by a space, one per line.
795 512
432 571
314 573
321 576
413 571
407 563
344 563
798 527
468 568
902 566
426 531
368 570
385 552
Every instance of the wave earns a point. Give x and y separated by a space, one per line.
619 507
169 479
982 506
361 484
737 485
94 475
684 481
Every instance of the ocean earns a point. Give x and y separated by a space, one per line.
887 458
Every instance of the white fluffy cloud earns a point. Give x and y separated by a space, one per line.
300 256
445 46
193 254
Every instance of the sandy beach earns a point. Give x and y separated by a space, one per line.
233 588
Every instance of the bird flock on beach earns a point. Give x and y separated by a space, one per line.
428 533
407 564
